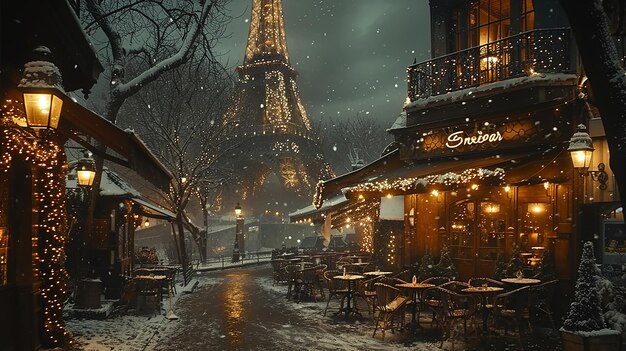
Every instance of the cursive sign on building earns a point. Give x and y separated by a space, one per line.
459 138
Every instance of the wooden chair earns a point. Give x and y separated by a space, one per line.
279 273
436 280
291 273
485 282
367 291
308 283
432 300
169 286
455 286
390 306
509 309
148 292
540 300
458 308
336 288
319 280
404 275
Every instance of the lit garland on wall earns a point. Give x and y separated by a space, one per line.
391 249
367 237
415 183
47 159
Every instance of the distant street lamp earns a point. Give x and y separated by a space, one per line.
238 247
41 86
85 170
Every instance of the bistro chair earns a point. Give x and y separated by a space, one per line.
540 299
336 288
291 272
485 282
169 285
308 283
148 292
343 262
319 279
432 300
279 273
390 306
455 286
367 291
404 275
509 309
436 280
391 280
458 308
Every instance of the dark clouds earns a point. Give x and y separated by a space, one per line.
351 54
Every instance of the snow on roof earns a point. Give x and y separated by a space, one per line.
400 121
535 79
336 200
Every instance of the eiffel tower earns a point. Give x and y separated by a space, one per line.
270 116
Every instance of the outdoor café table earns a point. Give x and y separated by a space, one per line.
521 281
359 265
416 289
485 292
377 273
351 279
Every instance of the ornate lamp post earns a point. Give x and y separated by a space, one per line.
238 248
581 149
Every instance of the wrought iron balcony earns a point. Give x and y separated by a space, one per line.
525 54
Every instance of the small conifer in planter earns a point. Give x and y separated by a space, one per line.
584 328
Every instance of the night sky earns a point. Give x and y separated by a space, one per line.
352 55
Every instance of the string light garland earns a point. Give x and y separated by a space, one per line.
547 50
449 179
46 156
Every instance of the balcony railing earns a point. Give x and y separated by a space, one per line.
525 54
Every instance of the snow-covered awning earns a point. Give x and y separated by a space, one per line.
78 122
514 168
310 211
151 210
329 188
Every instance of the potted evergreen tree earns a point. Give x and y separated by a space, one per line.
584 328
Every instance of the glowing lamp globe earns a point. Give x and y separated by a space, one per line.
43 109
42 89
85 171
238 210
580 148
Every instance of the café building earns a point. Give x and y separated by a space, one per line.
483 157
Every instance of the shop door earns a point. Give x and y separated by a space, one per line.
476 236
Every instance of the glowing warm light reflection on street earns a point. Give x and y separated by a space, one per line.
234 309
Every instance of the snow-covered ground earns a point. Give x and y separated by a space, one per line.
304 327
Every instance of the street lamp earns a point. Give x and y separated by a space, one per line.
581 150
238 247
41 86
85 170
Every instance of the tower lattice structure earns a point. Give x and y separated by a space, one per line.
270 117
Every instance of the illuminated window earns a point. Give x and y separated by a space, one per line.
527 18
536 224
